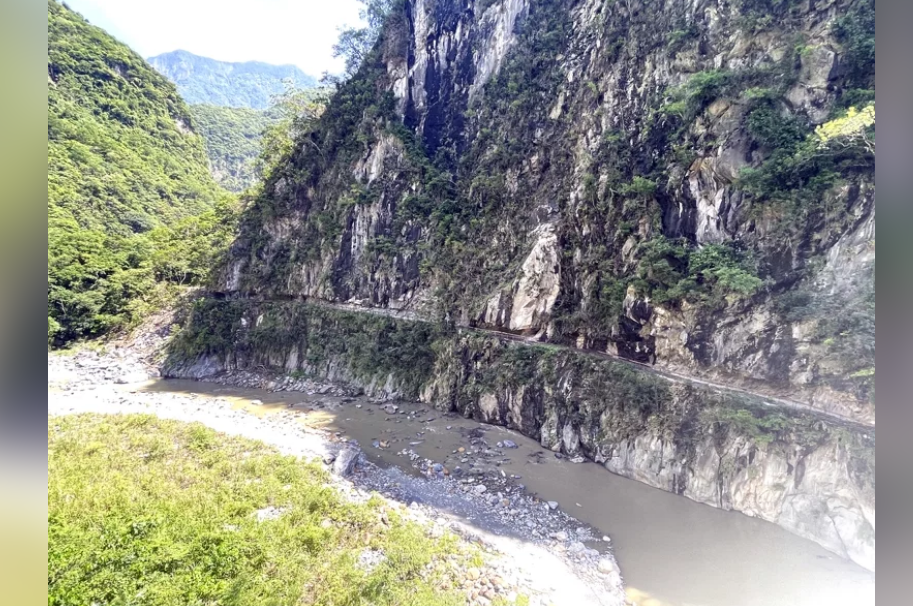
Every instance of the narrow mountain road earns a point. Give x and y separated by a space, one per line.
668 375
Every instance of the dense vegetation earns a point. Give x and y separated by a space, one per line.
232 136
156 513
131 203
243 143
201 80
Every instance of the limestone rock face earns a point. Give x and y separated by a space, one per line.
511 165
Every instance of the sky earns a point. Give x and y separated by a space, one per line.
297 32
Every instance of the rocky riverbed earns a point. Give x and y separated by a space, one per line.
534 548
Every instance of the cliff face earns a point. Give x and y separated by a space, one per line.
632 177
638 178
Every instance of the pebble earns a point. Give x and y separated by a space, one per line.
553 505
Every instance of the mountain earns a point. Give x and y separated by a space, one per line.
124 166
645 198
201 80
232 136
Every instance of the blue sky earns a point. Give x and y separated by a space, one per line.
300 32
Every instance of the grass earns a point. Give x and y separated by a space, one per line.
143 511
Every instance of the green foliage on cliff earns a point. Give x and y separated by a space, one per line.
856 32
369 347
153 512
123 169
672 271
99 282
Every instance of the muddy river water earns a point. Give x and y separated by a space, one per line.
672 551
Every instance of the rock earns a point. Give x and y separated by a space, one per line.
606 540
132 377
510 444
256 403
473 574
609 567
346 461
370 559
269 514
559 536
480 489
553 505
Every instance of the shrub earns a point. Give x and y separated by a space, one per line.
53 329
152 512
640 187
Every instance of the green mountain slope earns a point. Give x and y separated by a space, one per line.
121 152
124 167
201 80
232 136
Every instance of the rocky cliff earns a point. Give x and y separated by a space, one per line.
634 177
639 178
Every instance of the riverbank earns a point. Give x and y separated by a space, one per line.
810 475
521 535
672 551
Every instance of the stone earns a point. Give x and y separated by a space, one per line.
553 505
608 567
347 461
510 444
132 377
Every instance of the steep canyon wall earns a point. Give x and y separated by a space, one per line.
634 177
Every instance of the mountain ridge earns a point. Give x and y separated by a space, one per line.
250 84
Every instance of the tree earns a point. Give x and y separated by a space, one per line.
356 42
53 329
853 129
298 112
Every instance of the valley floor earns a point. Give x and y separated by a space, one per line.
532 549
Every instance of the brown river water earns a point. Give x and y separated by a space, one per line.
672 551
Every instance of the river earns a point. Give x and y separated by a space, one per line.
672 551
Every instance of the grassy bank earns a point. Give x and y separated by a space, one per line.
143 511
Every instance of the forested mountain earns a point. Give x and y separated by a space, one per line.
201 80
124 170
233 136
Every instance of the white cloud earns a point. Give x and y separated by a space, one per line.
301 32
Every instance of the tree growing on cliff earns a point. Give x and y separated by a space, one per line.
355 43
856 128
